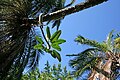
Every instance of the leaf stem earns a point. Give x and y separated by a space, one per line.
41 28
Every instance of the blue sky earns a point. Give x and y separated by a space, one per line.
93 23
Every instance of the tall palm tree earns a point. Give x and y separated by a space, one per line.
103 59
17 36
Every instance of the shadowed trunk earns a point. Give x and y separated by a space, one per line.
102 72
105 71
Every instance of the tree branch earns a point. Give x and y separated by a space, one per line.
66 11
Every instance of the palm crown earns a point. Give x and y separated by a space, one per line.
17 38
100 58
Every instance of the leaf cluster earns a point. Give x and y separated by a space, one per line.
52 41
49 73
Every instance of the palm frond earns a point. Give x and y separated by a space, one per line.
97 56
93 43
13 36
109 41
83 60
17 39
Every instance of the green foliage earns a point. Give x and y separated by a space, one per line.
50 73
52 41
56 46
97 52
57 55
39 40
17 47
93 43
55 36
38 46
117 42
59 41
83 61
48 32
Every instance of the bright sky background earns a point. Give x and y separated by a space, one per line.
93 23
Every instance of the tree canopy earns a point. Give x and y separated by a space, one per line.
20 46
102 58
49 73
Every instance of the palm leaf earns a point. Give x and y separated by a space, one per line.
93 43
97 56
17 38
83 60
109 41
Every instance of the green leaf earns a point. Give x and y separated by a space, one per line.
57 55
117 40
48 32
55 36
109 40
38 46
47 50
53 54
56 46
59 41
39 40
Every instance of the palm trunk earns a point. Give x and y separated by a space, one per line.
66 11
105 71
102 72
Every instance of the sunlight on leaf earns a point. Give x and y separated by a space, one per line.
56 46
38 46
39 40
60 41
55 36
53 54
57 55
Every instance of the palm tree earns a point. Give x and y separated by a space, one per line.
17 36
103 59
17 39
